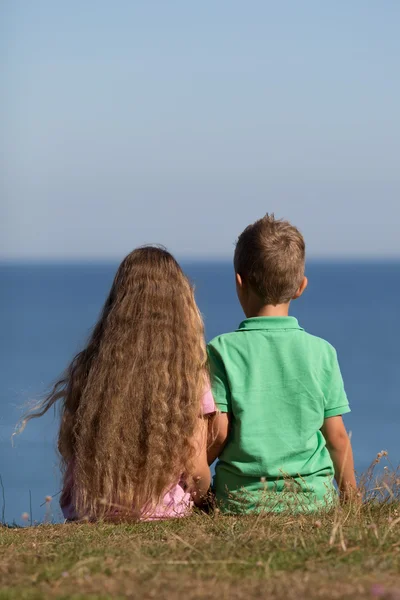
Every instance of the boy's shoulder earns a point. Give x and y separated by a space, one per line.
224 339
233 338
320 343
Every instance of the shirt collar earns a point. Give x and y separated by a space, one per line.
270 323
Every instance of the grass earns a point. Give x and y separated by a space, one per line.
352 552
348 554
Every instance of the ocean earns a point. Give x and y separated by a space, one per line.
46 312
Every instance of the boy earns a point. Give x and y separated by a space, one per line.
279 390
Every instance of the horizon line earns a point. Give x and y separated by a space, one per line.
86 261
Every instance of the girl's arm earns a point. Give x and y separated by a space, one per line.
339 447
201 474
218 435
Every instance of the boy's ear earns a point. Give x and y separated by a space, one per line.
239 281
301 289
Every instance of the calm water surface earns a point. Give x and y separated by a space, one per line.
46 313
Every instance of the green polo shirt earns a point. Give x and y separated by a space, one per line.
278 383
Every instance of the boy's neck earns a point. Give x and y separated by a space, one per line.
268 310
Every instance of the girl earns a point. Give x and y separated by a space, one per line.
133 433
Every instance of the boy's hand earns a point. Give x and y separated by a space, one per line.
339 447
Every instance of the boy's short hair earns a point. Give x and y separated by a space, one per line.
269 256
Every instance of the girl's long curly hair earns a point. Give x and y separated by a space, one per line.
132 398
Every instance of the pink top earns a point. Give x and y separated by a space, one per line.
176 502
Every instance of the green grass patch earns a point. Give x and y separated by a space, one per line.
352 553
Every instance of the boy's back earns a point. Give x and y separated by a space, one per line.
279 384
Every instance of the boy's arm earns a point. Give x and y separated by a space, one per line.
333 429
339 447
217 436
222 397
201 471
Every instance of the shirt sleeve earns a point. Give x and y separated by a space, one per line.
207 403
336 402
219 381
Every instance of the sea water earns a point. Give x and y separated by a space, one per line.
46 312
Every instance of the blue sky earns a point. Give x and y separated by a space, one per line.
179 122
